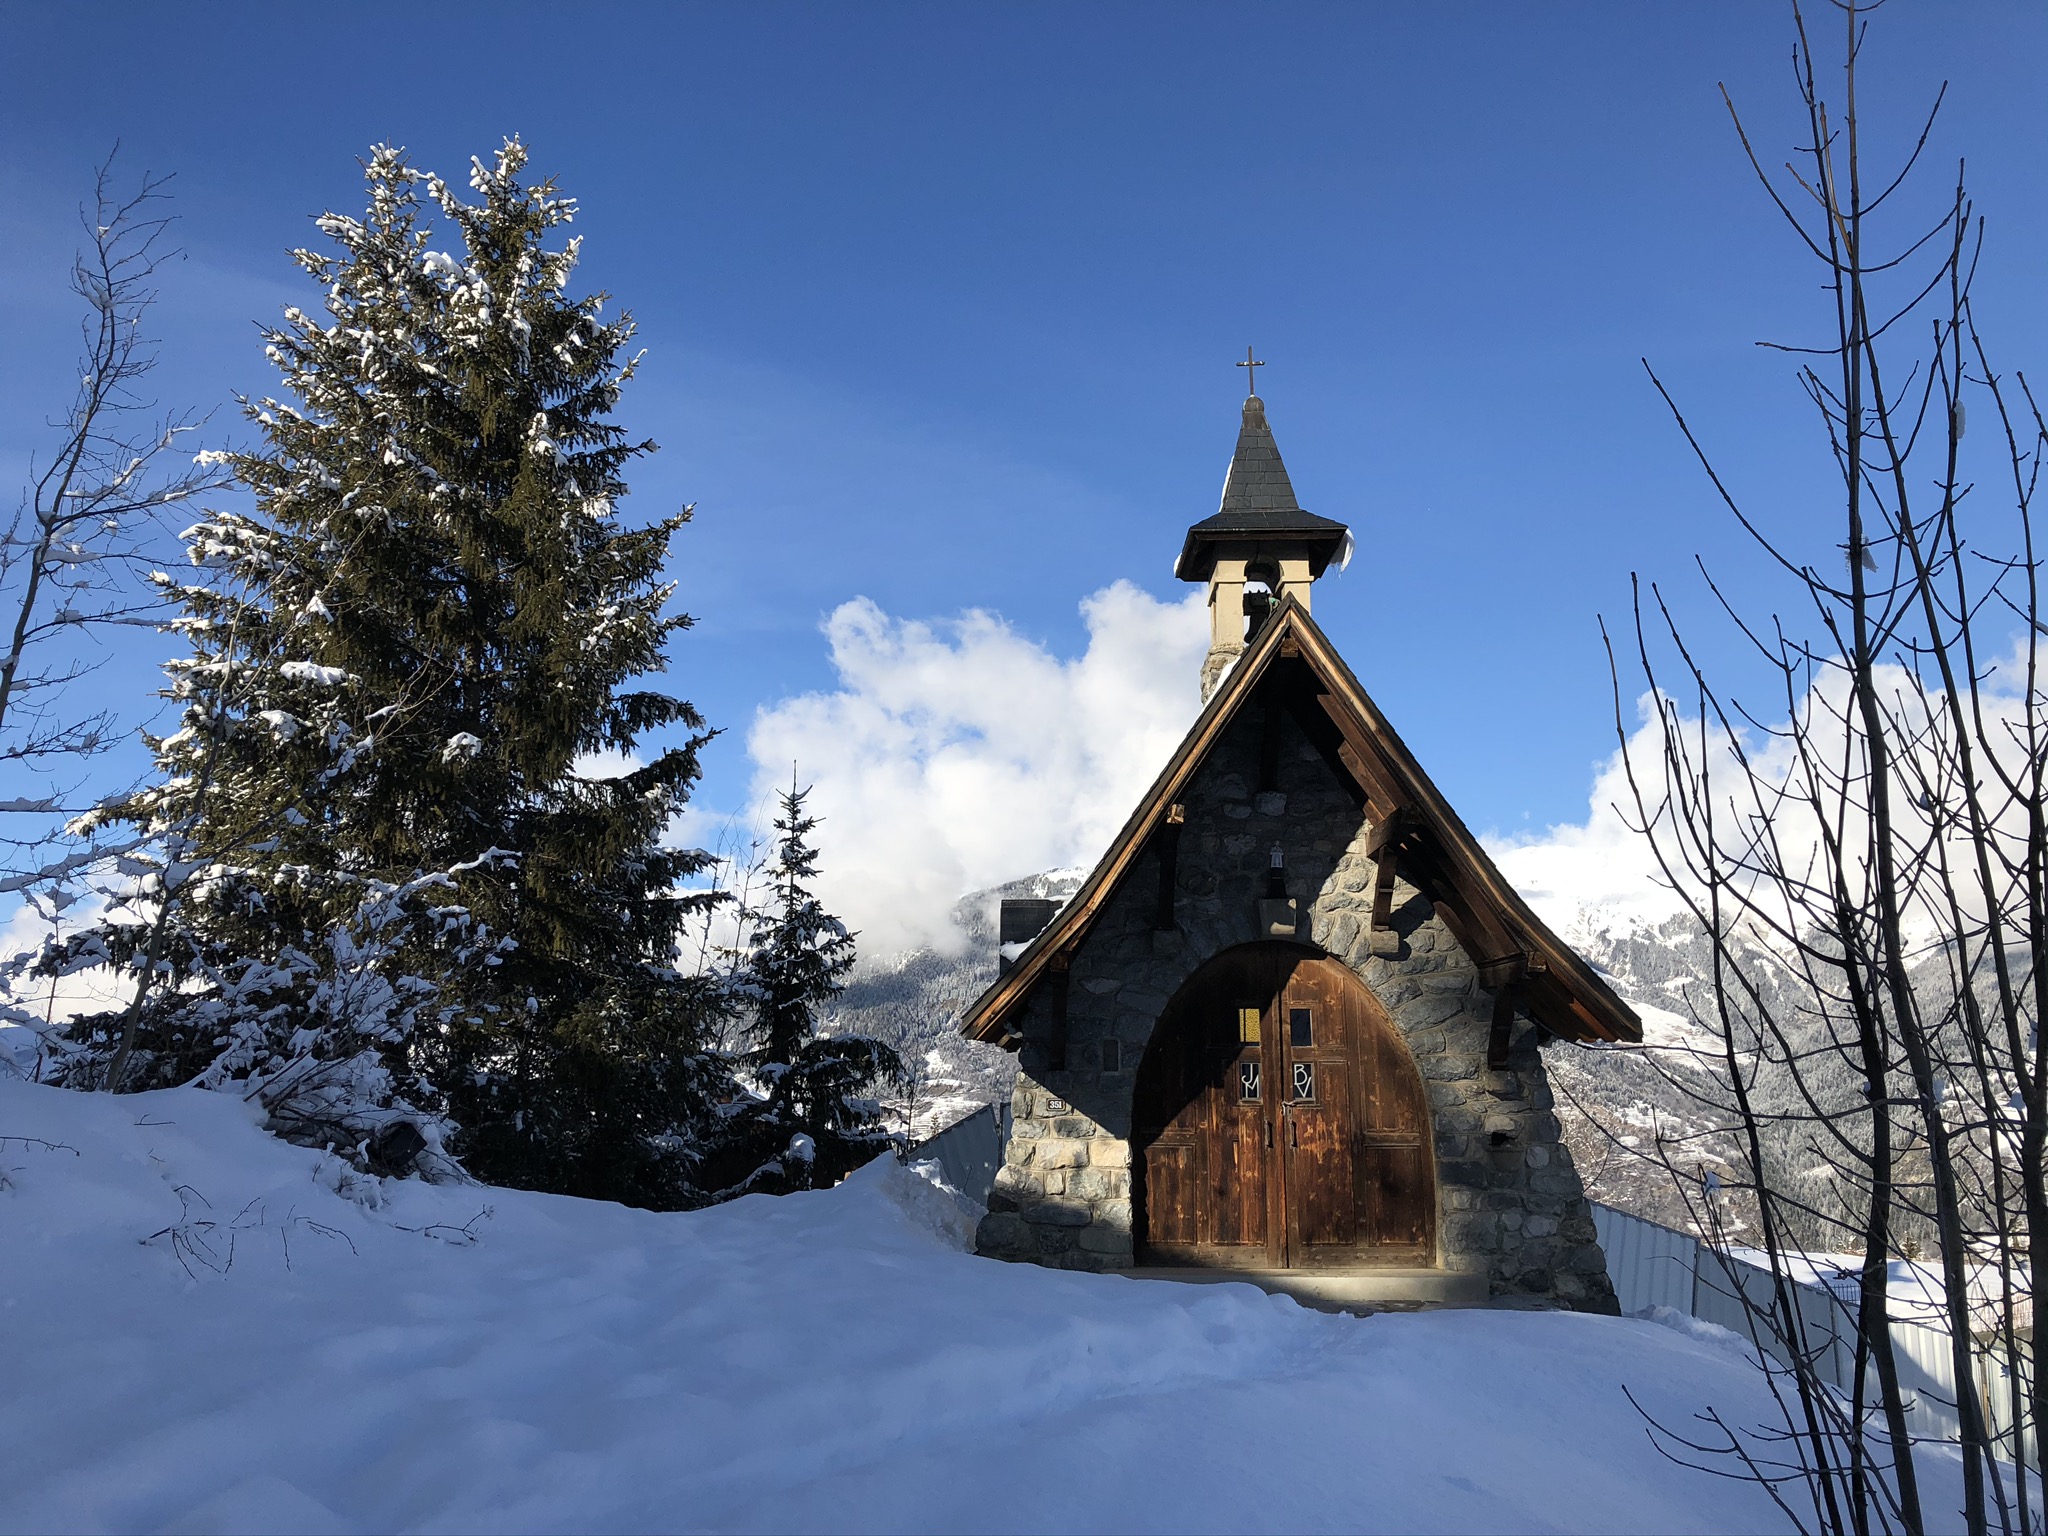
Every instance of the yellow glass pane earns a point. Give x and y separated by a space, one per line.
1248 1026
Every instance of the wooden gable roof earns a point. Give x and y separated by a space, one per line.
1433 849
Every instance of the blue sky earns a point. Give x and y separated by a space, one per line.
941 301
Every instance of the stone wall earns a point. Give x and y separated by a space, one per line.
1510 1203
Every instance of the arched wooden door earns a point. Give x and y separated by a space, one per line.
1280 1122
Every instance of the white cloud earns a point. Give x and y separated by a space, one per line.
1781 797
607 763
957 754
1599 870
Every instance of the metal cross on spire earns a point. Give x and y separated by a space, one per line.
1251 365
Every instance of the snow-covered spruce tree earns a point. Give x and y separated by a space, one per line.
399 658
811 1122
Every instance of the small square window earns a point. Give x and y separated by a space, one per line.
1247 1026
1300 1029
1248 1082
1304 1082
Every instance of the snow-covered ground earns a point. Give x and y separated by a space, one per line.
332 1356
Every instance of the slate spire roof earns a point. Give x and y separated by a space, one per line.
1257 482
1258 503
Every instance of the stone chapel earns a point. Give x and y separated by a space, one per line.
1289 1028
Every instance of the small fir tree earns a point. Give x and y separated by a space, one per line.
380 836
812 1122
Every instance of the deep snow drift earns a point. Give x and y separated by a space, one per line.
450 1358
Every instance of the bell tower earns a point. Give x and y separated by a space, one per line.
1259 549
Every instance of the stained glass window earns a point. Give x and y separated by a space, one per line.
1300 1029
1248 1026
1248 1082
1304 1081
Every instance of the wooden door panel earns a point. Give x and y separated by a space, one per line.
1237 1173
1398 1199
1317 1046
1173 1192
1320 1171
1394 1101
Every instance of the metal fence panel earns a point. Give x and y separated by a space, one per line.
1650 1265
1927 1381
1741 1297
968 1152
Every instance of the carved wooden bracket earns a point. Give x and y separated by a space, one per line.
1383 845
1504 976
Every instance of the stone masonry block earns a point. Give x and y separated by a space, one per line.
1052 1242
1587 1259
1342 933
1062 1154
1057 1213
1461 1069
1002 1235
1018 1183
1093 1184
1429 1008
1469 1233
1539 1250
